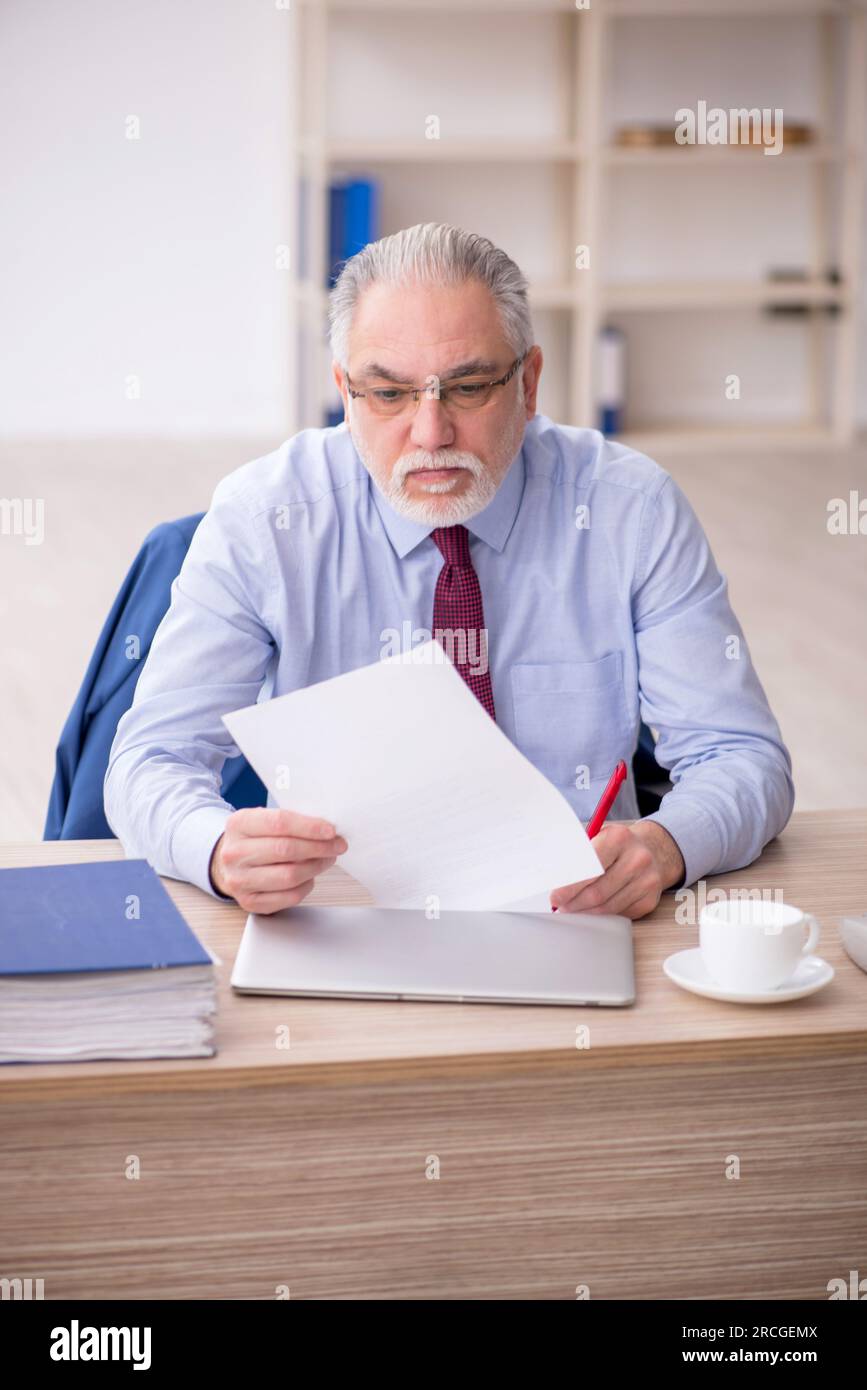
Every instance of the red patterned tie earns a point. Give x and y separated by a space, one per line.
458 609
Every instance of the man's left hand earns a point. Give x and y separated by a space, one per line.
640 861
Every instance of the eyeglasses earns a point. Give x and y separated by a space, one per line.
468 394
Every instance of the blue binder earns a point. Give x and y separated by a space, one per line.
109 915
353 221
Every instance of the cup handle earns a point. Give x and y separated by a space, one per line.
812 940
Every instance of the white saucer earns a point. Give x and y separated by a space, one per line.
687 969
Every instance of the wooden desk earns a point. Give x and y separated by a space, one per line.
559 1166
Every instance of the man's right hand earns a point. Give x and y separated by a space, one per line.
267 859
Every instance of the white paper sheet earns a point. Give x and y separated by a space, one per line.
437 805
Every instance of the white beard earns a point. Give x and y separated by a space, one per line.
446 510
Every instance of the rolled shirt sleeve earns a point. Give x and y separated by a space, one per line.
732 788
210 654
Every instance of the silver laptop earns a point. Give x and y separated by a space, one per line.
461 957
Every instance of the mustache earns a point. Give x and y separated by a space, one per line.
418 462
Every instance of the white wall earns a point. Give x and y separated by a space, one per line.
152 257
156 258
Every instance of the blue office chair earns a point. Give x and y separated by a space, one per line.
75 810
651 779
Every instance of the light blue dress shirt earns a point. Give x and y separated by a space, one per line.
603 607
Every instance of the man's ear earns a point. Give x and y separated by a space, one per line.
340 381
532 370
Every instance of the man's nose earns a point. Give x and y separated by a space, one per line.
432 427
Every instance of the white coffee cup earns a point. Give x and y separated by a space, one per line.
751 944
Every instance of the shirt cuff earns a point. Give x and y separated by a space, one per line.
694 832
193 844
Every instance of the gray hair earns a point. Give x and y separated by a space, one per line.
431 253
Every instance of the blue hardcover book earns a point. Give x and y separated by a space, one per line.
96 961
361 215
336 225
353 220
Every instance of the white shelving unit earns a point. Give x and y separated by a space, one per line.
581 162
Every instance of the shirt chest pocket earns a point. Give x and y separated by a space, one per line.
571 718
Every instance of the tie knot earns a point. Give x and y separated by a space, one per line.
454 543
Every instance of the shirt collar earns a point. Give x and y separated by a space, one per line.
492 524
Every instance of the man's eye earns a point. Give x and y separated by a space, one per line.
469 388
388 395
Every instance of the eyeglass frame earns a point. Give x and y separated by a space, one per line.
442 394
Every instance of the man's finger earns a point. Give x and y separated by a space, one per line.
275 902
282 878
636 890
259 821
632 880
610 847
595 893
280 850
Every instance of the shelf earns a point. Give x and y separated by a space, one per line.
487 150
726 294
464 6
613 9
507 151
724 9
728 156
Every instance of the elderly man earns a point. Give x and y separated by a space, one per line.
444 502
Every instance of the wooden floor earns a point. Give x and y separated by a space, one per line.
800 593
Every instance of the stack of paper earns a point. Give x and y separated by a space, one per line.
437 805
97 962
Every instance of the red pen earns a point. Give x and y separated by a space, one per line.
606 801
